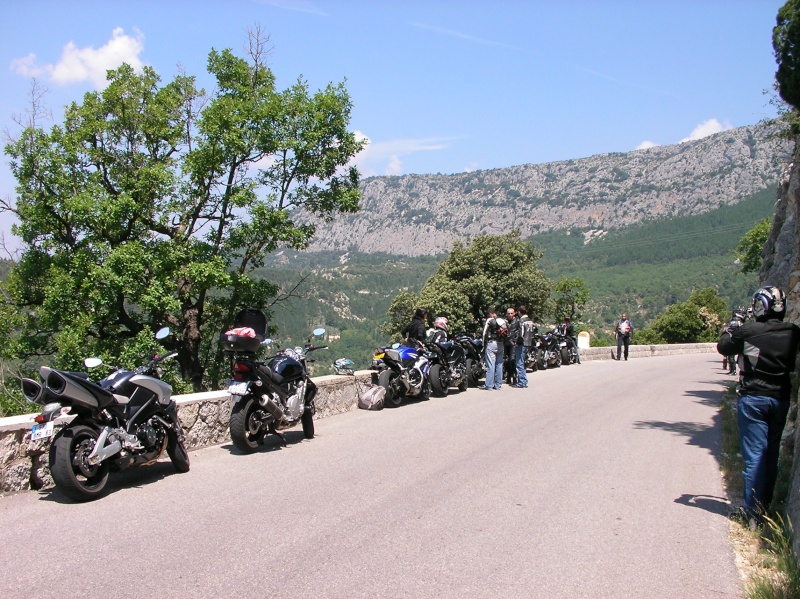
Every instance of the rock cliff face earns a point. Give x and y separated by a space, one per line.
781 267
425 214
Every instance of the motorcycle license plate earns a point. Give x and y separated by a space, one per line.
42 431
238 388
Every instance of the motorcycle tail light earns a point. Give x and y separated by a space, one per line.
39 419
241 370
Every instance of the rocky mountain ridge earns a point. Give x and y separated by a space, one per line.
424 214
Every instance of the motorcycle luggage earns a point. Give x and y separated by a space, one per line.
239 338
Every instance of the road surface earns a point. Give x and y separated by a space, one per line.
600 480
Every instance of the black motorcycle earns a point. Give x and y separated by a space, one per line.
126 419
566 345
448 367
548 351
473 350
270 396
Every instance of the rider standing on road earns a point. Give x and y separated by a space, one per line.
767 351
623 331
510 346
523 346
416 329
492 353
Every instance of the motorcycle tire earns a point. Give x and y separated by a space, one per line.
540 360
565 356
247 432
438 385
425 392
307 420
75 478
391 399
473 373
462 386
177 453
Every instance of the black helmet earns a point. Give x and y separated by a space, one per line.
769 302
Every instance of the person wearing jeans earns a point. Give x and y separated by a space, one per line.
766 351
492 353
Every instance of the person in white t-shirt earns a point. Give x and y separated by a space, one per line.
623 331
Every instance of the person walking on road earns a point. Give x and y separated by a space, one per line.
623 331
766 350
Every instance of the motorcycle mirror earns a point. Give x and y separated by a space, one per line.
92 362
395 345
318 332
164 332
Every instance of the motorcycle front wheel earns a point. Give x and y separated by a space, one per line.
247 429
473 373
391 398
565 356
72 474
177 453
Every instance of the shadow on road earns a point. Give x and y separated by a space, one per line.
137 477
709 503
271 442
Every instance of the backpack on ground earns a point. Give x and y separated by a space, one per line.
372 398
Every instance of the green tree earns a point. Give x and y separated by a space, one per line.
696 320
571 297
786 44
492 271
153 204
748 252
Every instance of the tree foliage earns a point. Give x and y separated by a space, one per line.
153 204
748 252
786 44
492 271
571 296
697 320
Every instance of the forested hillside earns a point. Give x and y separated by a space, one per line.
640 269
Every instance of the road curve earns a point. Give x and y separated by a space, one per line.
600 480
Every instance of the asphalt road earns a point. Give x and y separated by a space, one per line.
600 480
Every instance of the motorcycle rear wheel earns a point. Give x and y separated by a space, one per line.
391 399
438 385
247 430
75 478
307 420
565 357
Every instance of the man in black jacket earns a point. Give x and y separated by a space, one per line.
416 330
767 350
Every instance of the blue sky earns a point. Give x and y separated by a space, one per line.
439 86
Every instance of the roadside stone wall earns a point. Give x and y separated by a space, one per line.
206 416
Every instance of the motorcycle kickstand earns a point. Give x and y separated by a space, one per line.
279 434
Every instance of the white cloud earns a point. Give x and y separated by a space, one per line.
86 64
384 157
704 129
707 128
472 166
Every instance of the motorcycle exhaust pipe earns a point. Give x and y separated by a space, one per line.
270 406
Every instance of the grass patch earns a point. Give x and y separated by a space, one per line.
766 558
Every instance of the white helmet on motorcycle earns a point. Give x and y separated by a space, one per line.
441 323
769 302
